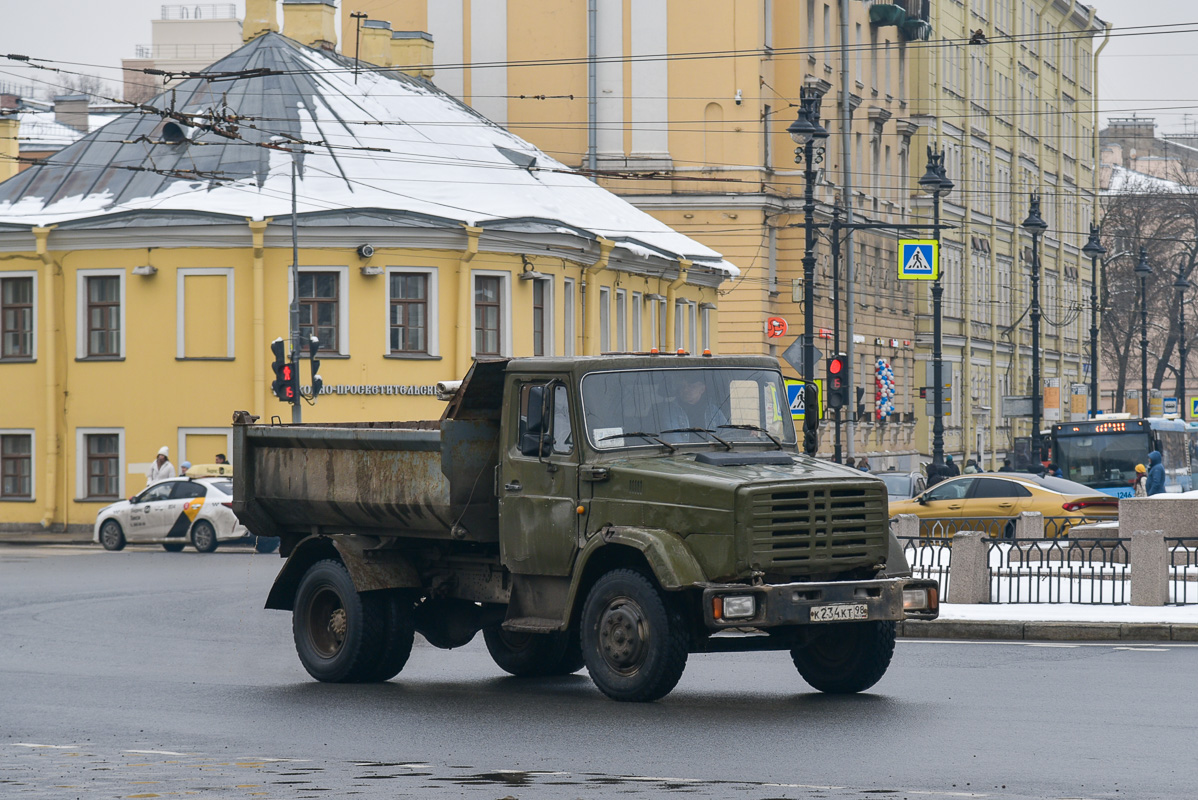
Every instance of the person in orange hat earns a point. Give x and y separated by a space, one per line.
1141 481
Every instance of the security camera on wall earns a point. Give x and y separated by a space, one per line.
365 250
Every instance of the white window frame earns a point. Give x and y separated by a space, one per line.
181 307
342 305
705 325
432 317
81 277
654 326
638 319
621 320
569 293
32 434
505 309
604 319
550 304
27 273
81 435
185 432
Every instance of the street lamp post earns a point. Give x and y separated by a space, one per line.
806 132
1035 225
1142 272
936 184
1181 284
1095 251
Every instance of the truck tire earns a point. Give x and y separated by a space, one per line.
398 634
634 643
533 655
339 634
847 657
173 547
266 544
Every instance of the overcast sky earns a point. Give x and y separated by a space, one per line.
1148 74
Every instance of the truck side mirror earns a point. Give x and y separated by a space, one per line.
536 437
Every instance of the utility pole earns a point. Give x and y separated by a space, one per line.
297 413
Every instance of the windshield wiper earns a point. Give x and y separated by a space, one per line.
700 430
757 428
642 435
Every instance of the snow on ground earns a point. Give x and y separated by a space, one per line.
1070 612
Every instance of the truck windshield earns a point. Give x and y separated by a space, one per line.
632 408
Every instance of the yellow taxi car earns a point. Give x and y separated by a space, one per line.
991 501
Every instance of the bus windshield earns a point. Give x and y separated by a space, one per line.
1104 460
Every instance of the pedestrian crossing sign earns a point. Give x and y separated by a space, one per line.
1194 407
794 395
919 259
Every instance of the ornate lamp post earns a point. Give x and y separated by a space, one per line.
807 132
1181 284
936 184
1142 272
1095 251
1035 225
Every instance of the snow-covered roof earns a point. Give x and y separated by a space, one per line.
1126 181
434 157
40 131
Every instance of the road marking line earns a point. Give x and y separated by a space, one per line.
155 752
1018 643
1145 649
49 746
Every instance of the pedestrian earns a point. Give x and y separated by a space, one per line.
1141 481
950 469
162 468
1054 470
848 462
186 465
863 464
935 474
1156 474
220 458
1006 466
971 467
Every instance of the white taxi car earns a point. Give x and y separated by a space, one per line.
174 513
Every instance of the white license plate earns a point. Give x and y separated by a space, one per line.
839 612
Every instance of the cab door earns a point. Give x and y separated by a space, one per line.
997 500
148 513
944 505
187 499
538 481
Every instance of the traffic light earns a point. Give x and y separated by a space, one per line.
285 385
313 347
837 383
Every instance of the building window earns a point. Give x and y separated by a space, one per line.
604 319
319 314
621 320
705 321
103 466
104 315
568 315
638 316
16 466
16 317
488 315
409 312
541 292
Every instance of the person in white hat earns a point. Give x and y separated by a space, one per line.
162 468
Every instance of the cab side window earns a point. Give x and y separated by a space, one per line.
999 488
187 489
559 438
950 490
161 491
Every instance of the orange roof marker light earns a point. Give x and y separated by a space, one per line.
707 353
682 352
653 351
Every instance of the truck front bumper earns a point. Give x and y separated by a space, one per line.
777 605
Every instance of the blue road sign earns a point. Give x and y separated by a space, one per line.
919 259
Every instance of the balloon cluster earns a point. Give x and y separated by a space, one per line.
884 381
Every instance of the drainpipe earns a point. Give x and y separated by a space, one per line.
590 295
465 294
258 232
846 149
592 89
671 306
49 355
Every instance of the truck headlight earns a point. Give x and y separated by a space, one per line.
739 606
915 599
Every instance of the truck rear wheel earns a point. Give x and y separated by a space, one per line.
533 655
846 657
634 643
340 635
398 633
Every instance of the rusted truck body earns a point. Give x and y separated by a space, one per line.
613 512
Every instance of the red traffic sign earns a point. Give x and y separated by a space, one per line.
775 328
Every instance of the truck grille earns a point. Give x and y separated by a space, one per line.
817 529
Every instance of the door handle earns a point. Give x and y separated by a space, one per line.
955 508
1005 505
512 487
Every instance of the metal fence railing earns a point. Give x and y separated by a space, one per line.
1087 571
929 559
1183 570
998 527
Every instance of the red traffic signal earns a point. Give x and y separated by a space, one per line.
836 391
835 365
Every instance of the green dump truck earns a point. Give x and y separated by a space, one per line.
615 512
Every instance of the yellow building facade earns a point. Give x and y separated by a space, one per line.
1015 113
698 139
138 306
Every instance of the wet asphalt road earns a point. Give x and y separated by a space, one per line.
148 674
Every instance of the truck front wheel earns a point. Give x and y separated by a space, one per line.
634 642
846 657
533 655
340 635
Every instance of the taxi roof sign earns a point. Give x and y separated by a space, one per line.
210 471
919 259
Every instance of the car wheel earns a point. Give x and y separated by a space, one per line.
340 635
173 547
847 657
111 535
203 536
266 544
634 642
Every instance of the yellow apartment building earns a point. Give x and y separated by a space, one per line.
1010 96
698 139
145 269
